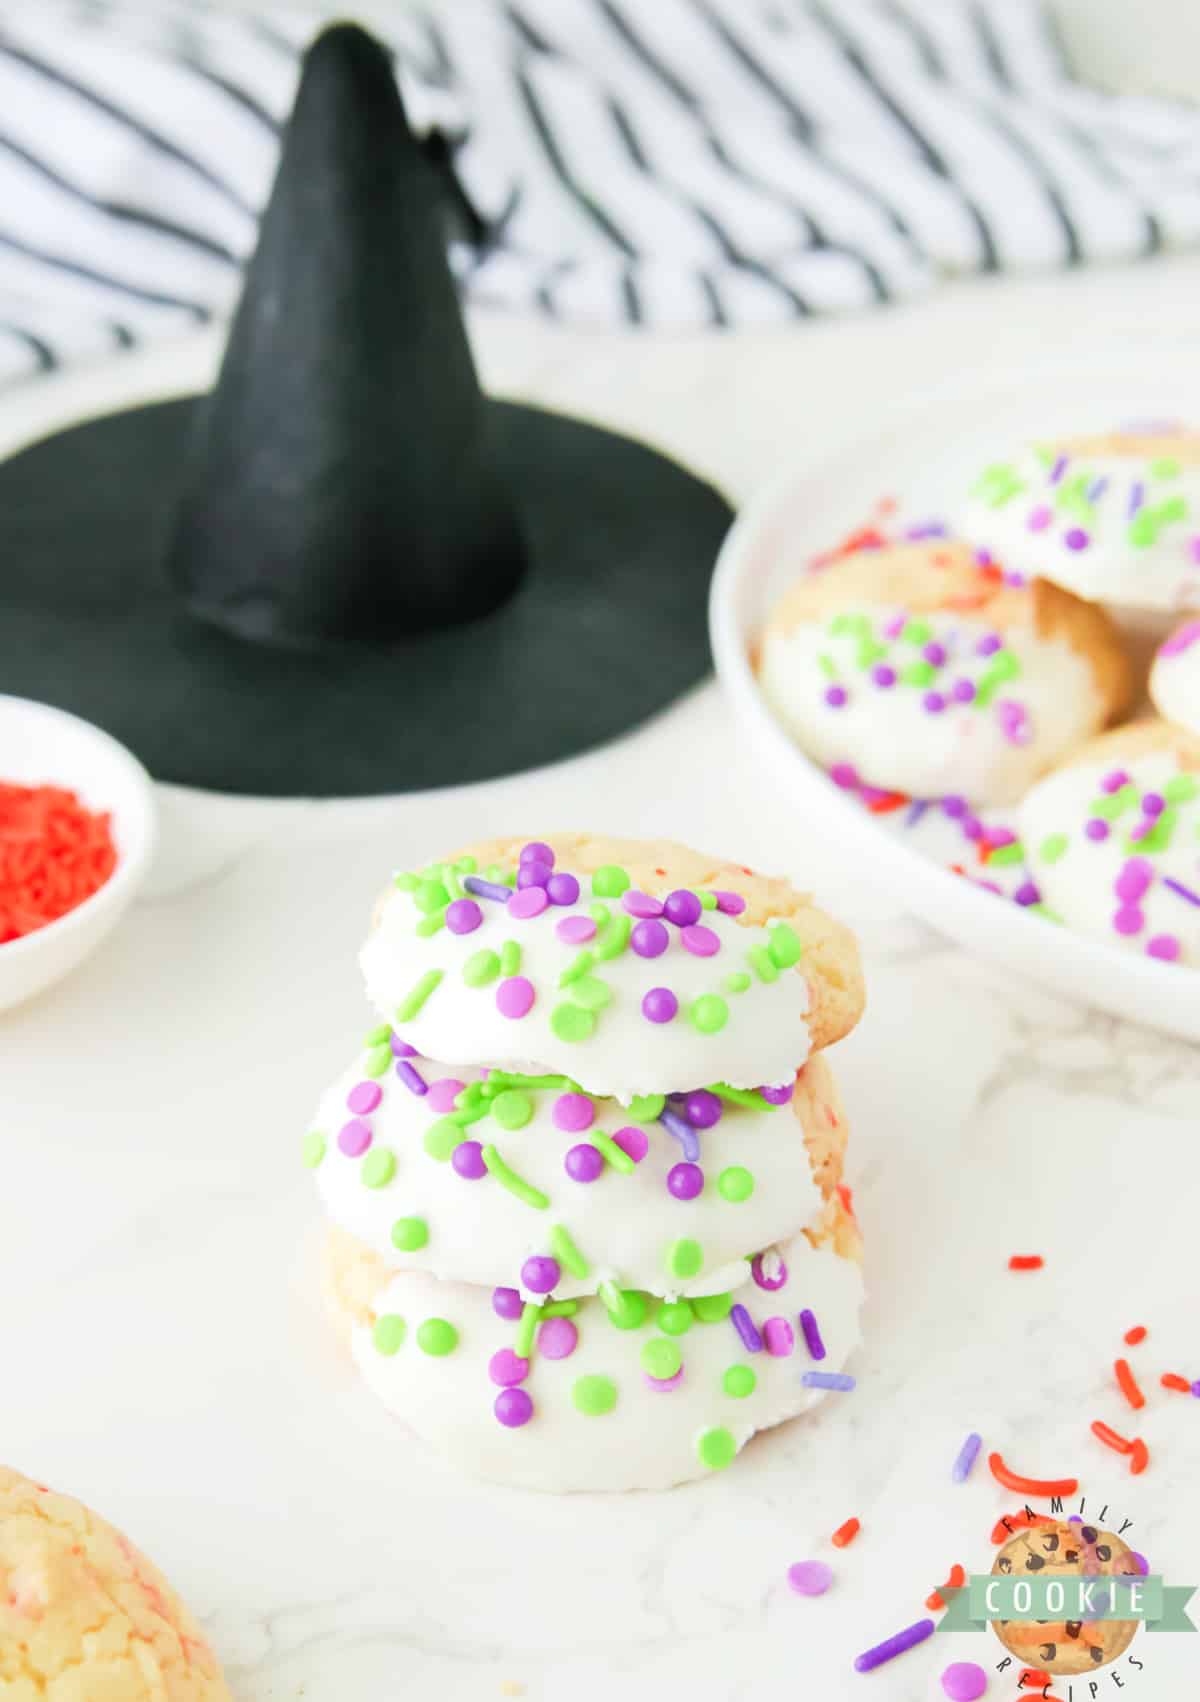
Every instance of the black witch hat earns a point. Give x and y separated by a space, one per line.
347 571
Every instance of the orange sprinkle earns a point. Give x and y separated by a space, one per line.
1127 1384
845 1534
1135 1335
1034 1675
1170 1380
54 854
846 1196
1110 1438
1026 1262
935 1600
1030 1485
1139 1457
888 802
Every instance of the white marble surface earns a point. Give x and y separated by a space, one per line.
164 1352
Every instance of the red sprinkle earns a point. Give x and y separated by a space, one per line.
1034 1675
1170 1380
1139 1457
1030 1485
54 854
936 1601
845 1534
1135 1335
1127 1384
890 801
1026 1262
1110 1437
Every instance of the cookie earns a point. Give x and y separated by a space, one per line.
1114 518
602 1193
628 966
1111 841
1067 1549
917 670
1175 678
641 1393
85 1617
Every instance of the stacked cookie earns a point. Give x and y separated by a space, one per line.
589 1229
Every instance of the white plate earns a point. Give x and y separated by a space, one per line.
926 455
40 745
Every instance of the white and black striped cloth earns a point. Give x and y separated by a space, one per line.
675 163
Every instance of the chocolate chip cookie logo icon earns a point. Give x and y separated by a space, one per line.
1074 1552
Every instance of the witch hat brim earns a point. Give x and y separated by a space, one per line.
346 571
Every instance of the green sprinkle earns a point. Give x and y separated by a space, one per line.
716 1448
599 914
442 1137
868 653
675 1317
593 1396
312 1149
567 1253
410 1234
378 1036
735 1184
626 1307
388 1334
471 1111
749 1098
738 982
784 946
571 1023
560 1309
613 938
661 1358
511 1078
578 967
510 959
616 1156
1176 509
437 1337
685 1258
429 925
919 674
762 963
708 900
610 882
709 1013
1143 530
739 1381
1159 837
431 896
494 872
592 993
646 1107
1115 804
849 626
480 968
417 996
512 1109
377 1168
466 865
378 1061
1004 855
712 1308
452 883
917 632
1180 789
1003 667
404 882
1072 496
1166 467
1045 911
531 1315
825 663
1053 847
517 1185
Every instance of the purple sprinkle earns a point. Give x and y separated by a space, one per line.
770 1284
812 1334
1134 878
998 836
506 1368
514 997
354 1139
682 907
964 1681
699 940
839 1380
649 938
835 696
583 1163
562 889
506 1303
963 691
487 889
743 1323
954 807
575 930
927 529
915 811
935 653
537 851
573 1113
778 1095
1184 892
1137 496
540 1274
1097 489
528 903
810 1577
989 644
532 874
883 675
557 1338
972 828
960 1471
463 916
660 1005
1143 1565
845 775
1027 893
1039 518
641 904
730 903
1194 550
702 1108
467 1161
1058 469
895 626
1153 804
513 1408
1196 1392
685 1181
412 1078
1016 581
1096 829
1114 781
1183 639
933 703
778 1337
401 1048
1074 1519
683 1133
1129 920
633 1142
663 1385
1163 946
363 1098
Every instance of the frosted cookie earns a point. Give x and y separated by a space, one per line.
631 967
1114 518
1175 678
576 1395
917 670
521 1180
84 1617
1111 841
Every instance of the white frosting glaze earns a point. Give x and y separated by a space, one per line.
649 1438
621 1223
1079 882
1175 679
1162 574
764 1038
982 753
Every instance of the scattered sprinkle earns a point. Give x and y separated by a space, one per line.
809 1577
1030 1485
845 1534
829 1380
1026 1262
1127 1384
893 1646
960 1471
516 1185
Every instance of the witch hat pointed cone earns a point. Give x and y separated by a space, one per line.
343 485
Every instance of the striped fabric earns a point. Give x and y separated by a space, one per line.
675 163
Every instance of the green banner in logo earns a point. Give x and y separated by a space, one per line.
1158 1606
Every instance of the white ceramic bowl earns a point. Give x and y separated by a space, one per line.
40 745
926 454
